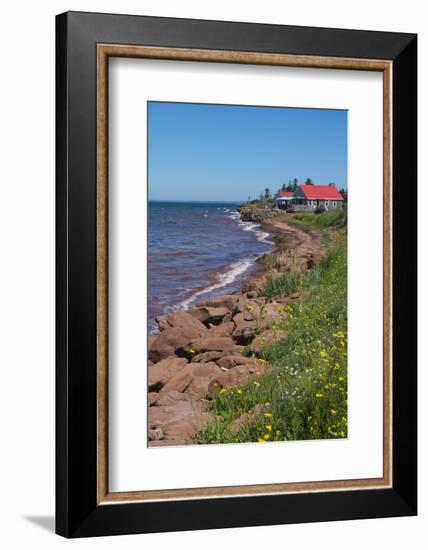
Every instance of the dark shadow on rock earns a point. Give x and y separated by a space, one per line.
45 522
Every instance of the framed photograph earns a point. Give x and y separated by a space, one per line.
236 274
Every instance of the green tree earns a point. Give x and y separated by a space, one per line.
267 193
308 181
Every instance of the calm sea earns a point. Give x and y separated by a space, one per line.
197 251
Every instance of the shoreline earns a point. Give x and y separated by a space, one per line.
243 270
200 351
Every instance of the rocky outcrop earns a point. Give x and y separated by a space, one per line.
179 329
207 356
198 353
244 332
215 343
182 320
177 417
161 372
228 301
209 315
229 361
256 215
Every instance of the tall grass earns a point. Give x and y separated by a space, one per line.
307 220
285 284
304 394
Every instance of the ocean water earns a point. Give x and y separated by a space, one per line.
198 251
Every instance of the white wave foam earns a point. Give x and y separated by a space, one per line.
222 279
261 236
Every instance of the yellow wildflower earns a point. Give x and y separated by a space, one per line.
222 390
319 395
260 440
267 415
238 391
323 354
268 427
333 412
266 437
256 383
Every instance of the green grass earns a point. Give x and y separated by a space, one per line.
304 394
308 220
285 284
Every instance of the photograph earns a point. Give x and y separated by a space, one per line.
212 264
247 274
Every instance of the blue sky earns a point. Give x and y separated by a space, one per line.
228 153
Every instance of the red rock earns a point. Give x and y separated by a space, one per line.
220 343
238 318
252 310
240 374
178 416
255 287
230 361
188 427
170 339
209 315
181 320
225 329
227 300
173 406
240 304
173 397
267 338
207 356
153 397
161 372
244 332
179 381
202 375
155 434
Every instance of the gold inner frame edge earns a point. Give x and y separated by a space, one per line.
104 51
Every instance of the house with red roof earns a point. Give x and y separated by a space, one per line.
285 194
310 197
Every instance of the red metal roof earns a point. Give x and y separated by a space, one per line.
286 194
326 192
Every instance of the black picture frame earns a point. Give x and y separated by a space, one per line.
77 511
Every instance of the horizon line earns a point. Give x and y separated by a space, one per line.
195 201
